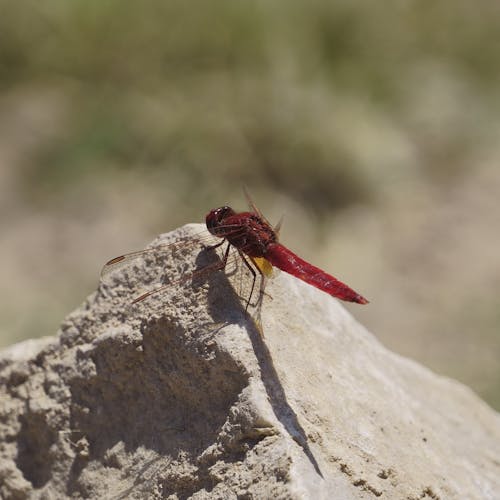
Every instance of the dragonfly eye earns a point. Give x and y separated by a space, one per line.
215 219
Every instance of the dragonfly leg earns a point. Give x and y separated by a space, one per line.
263 281
254 274
222 263
213 247
226 254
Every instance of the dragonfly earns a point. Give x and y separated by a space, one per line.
257 244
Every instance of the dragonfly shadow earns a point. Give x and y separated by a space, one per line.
226 307
276 393
223 303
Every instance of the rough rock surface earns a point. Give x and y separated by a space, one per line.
181 397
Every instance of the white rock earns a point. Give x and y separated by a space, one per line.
181 397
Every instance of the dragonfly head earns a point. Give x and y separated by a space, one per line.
215 220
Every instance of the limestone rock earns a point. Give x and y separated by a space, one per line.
180 396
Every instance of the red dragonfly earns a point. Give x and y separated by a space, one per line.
253 236
255 241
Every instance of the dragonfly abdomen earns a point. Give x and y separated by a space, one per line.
284 259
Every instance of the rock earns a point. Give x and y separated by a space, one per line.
182 397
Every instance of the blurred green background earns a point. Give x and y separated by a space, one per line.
373 128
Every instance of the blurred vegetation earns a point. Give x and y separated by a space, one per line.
239 91
167 107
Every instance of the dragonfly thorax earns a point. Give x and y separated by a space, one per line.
246 231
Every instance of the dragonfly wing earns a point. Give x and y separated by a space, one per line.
251 203
254 208
155 291
129 259
123 261
277 227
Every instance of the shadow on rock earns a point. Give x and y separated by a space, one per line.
155 392
226 307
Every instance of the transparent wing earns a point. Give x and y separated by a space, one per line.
126 260
198 273
137 264
122 261
232 268
251 204
255 209
151 260
277 227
